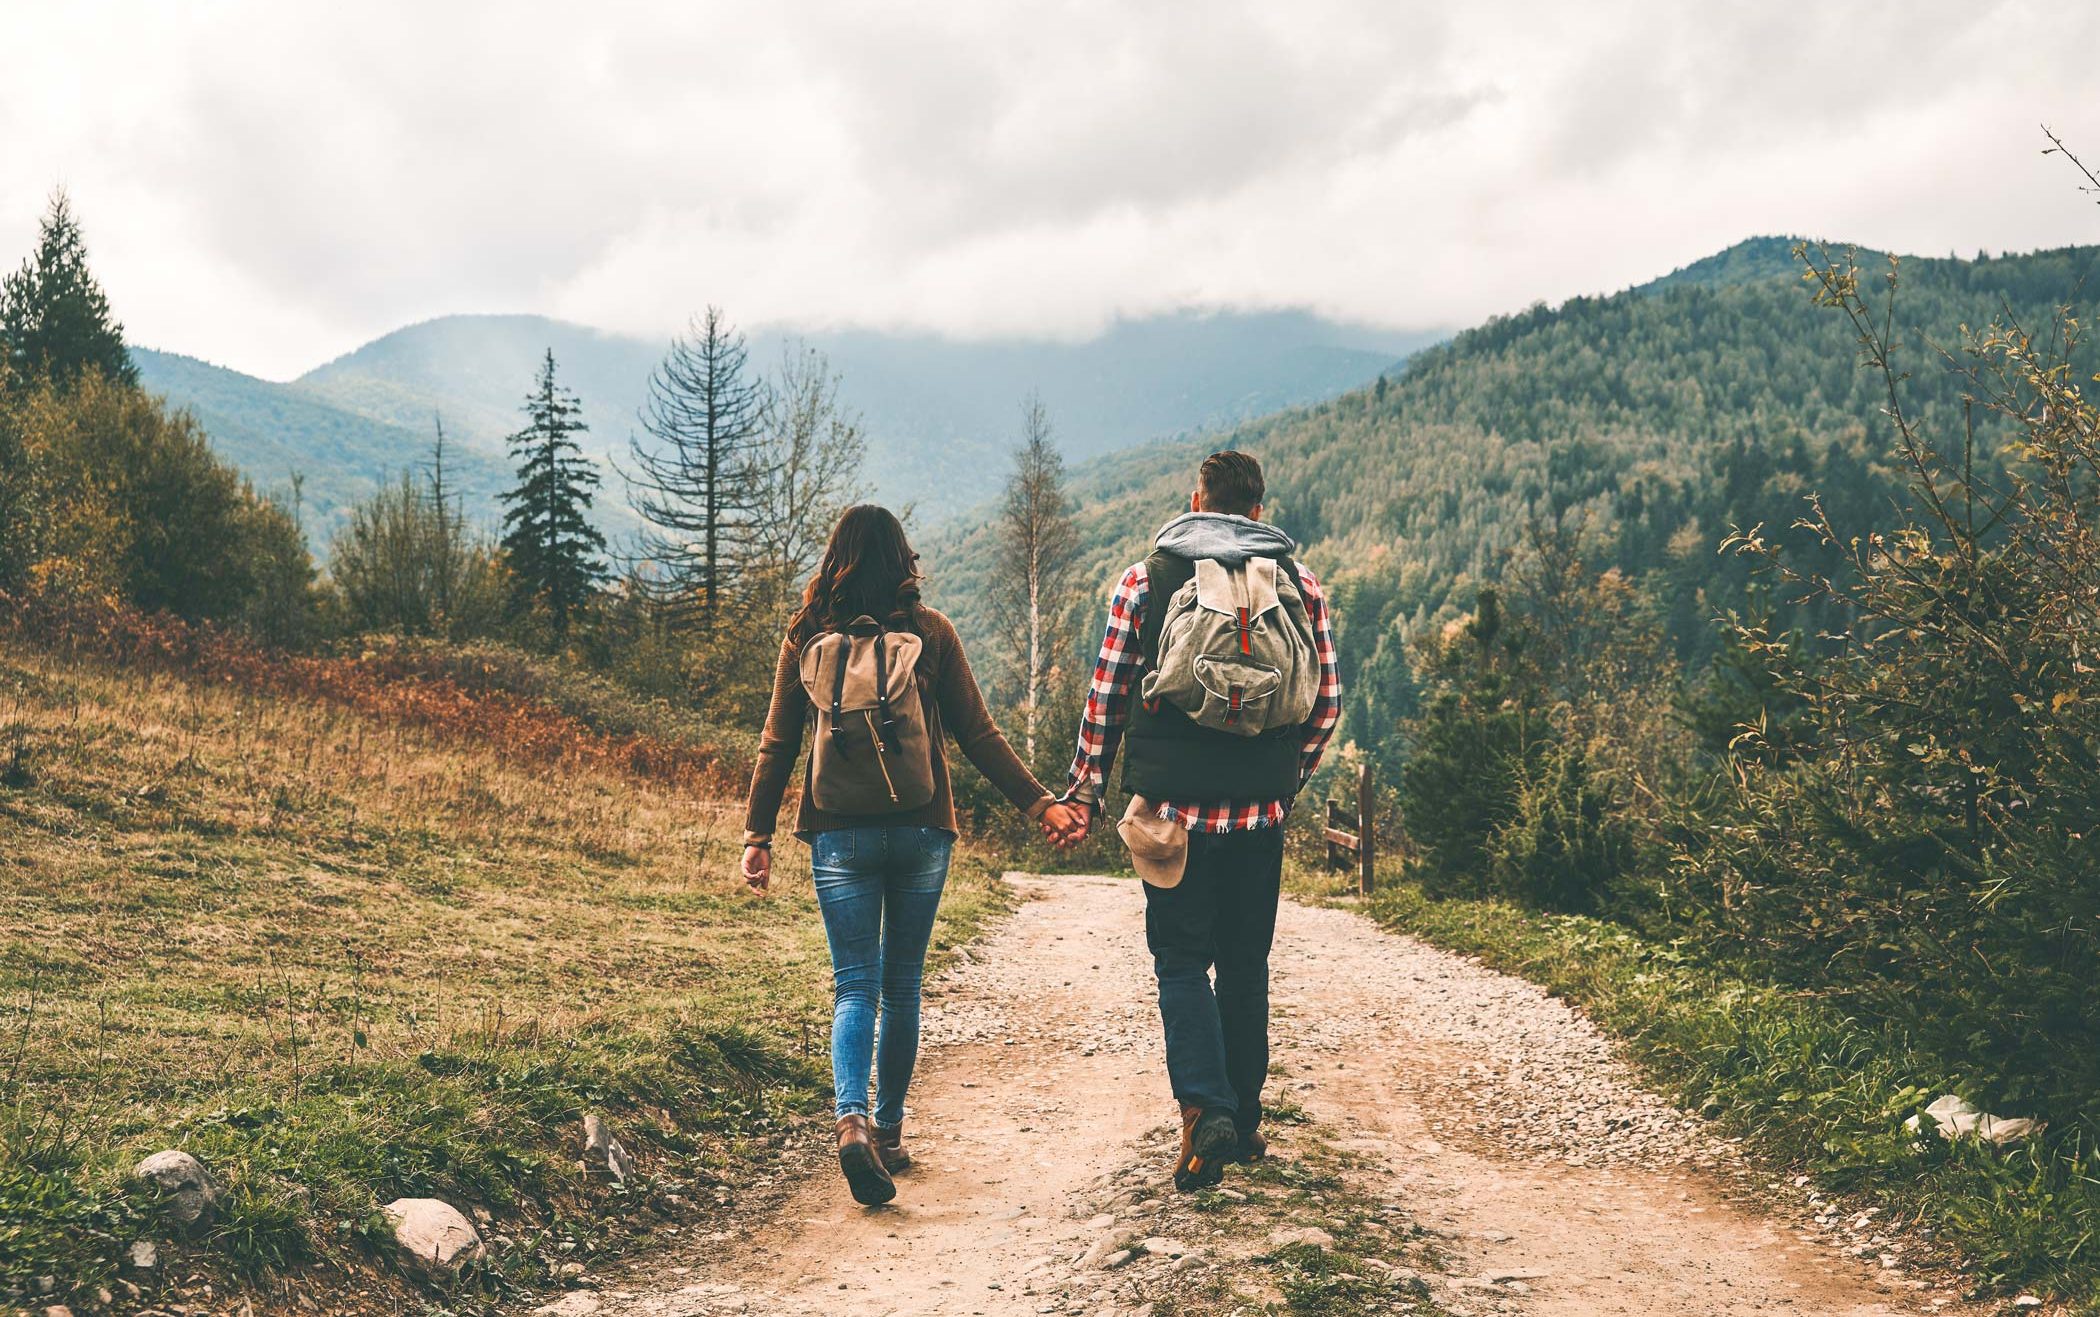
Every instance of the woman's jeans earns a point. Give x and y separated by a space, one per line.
878 889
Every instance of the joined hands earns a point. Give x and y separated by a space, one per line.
1066 823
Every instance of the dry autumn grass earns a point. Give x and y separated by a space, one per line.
344 957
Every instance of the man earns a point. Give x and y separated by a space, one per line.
1227 795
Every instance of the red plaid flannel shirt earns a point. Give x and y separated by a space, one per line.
1108 709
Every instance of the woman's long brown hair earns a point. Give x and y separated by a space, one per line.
869 569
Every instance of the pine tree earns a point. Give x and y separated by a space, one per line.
549 543
54 320
697 485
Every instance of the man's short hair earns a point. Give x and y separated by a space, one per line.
1231 482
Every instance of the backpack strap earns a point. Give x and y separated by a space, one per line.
887 726
838 685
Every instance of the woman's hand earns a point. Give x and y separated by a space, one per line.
1064 825
758 868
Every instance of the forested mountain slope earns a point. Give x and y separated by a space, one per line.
1716 397
273 432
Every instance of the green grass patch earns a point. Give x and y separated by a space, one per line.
342 961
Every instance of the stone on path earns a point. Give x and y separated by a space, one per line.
1311 1235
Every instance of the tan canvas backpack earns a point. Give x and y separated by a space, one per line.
871 753
1236 649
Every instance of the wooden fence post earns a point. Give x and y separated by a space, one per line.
1366 830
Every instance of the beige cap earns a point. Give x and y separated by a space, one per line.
1159 848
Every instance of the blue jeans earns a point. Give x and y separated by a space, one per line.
878 889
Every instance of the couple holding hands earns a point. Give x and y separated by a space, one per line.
1216 677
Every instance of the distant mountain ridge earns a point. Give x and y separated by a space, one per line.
941 415
1717 396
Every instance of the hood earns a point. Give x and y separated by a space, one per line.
1221 535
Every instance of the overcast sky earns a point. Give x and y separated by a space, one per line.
270 184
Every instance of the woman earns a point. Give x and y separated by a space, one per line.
878 875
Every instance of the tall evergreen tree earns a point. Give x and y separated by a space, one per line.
697 479
549 543
54 320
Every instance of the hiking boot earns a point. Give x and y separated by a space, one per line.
1250 1147
865 1176
889 1145
1207 1142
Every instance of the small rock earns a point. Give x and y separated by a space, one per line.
185 1187
58 1310
1312 1235
1101 1222
431 1238
143 1255
602 1152
1122 1257
1159 1246
1232 1195
2027 1301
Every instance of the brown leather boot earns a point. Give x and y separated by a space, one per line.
889 1145
865 1176
1207 1142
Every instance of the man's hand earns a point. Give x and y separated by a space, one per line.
758 868
1080 818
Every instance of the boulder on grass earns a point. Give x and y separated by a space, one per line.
1956 1119
186 1188
431 1238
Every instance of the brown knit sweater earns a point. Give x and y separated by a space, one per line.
952 701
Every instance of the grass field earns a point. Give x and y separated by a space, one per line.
344 959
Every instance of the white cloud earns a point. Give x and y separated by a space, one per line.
269 184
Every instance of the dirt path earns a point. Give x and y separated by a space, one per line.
1490 1114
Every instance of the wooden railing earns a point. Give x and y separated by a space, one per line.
1354 836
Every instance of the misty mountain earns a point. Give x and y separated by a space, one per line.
274 431
941 414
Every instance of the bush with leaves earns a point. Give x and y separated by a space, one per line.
114 493
1930 850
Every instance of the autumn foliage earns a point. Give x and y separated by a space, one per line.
452 693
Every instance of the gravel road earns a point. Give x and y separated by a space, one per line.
1496 1116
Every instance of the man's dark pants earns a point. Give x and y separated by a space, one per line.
1222 914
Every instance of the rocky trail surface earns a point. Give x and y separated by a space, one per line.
1475 1144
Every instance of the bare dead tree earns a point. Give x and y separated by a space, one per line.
805 470
694 479
1037 544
